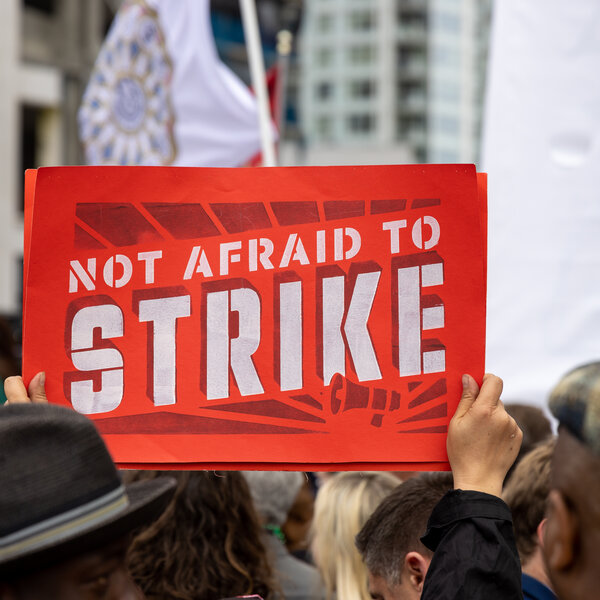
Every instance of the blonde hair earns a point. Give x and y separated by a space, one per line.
342 507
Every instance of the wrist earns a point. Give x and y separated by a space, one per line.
491 487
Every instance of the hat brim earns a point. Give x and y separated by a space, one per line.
147 500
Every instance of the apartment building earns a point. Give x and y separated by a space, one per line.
394 73
47 49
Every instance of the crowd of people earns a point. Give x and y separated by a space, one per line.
507 522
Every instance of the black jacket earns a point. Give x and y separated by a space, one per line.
475 556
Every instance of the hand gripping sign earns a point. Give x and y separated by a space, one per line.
309 318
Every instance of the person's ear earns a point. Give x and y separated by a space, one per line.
540 532
415 567
560 533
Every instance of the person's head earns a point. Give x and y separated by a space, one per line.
273 493
206 544
65 516
343 505
297 525
535 426
572 531
526 493
389 542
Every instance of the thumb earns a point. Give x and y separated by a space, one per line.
37 389
469 395
15 391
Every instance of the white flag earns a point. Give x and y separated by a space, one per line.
541 150
160 95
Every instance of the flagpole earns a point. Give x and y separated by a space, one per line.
284 48
259 84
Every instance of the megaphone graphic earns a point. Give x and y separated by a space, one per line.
346 395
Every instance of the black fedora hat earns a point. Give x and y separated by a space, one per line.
60 492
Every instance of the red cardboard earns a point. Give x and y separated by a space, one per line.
277 318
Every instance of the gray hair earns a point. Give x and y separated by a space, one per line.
273 493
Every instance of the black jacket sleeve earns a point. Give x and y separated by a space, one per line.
475 556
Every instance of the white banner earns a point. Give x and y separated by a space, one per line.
542 153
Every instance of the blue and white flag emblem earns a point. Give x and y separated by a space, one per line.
160 95
126 117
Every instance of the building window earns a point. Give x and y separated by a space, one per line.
108 15
361 54
410 89
411 125
361 123
325 127
39 139
446 56
16 322
409 57
421 154
446 22
362 20
446 156
30 142
447 91
323 57
446 124
414 21
324 22
363 88
324 90
46 6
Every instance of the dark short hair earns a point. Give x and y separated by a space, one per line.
526 494
395 528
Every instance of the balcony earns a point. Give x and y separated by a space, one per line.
415 68
412 34
412 129
417 137
414 103
417 7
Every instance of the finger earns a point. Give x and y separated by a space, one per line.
15 391
469 394
491 390
494 377
37 389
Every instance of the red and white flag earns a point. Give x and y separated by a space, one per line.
160 95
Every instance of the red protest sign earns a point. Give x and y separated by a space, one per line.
284 317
